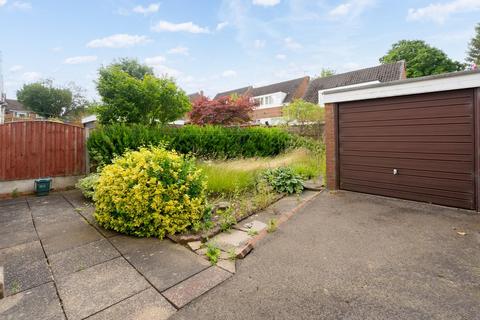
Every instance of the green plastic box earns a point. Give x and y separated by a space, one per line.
43 186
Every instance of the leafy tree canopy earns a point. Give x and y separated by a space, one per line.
132 67
421 59
52 102
303 112
145 99
222 111
327 73
473 54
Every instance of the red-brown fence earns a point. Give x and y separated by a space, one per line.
34 149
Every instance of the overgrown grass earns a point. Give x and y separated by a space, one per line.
230 176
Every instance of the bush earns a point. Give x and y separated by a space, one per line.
150 192
88 184
283 180
207 142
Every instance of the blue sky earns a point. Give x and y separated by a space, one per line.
218 45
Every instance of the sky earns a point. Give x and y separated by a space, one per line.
218 45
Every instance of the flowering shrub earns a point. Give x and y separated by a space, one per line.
223 111
150 192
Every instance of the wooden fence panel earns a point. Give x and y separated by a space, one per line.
35 149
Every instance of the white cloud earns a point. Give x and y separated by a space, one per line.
266 3
258 44
80 59
118 41
178 27
155 61
31 76
291 44
57 49
439 12
151 8
351 8
179 50
222 25
3 2
281 56
21 5
229 74
15 68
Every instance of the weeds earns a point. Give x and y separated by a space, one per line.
15 193
213 253
227 219
272 225
232 255
252 232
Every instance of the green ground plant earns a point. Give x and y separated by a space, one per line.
213 253
284 180
87 185
272 225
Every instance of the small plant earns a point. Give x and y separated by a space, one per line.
284 180
88 184
227 219
15 193
252 232
232 255
15 287
272 225
213 253
263 196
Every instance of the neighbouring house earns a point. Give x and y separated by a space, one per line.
352 79
272 98
13 110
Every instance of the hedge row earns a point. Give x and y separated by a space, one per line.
211 142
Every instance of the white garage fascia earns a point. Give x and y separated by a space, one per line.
437 83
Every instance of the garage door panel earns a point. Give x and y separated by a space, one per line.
408 195
410 147
408 172
409 120
433 139
428 138
431 130
406 180
463 97
415 164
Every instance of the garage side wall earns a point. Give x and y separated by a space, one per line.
331 114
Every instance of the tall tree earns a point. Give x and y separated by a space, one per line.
302 112
473 54
138 99
421 59
326 73
49 101
132 67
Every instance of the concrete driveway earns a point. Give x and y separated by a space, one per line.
355 256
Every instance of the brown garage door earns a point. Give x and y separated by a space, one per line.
418 147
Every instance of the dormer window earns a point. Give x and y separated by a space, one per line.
263 101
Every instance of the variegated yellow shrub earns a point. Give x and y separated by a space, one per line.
150 193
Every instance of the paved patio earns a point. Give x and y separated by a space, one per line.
58 264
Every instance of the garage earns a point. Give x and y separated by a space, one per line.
412 139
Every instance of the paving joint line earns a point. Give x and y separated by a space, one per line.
48 261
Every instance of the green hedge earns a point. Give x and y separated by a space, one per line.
212 142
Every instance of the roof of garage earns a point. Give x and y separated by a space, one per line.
435 83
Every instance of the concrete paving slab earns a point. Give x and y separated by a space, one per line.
82 257
25 267
231 240
68 236
94 289
76 198
162 262
19 211
39 303
192 288
16 232
228 265
87 213
146 305
252 226
14 201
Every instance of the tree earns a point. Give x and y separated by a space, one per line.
327 73
474 48
222 111
133 68
148 99
421 59
303 113
51 102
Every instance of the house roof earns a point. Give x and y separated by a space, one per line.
194 96
288 87
382 73
239 91
15 105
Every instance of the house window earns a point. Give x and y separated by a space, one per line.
20 114
265 100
